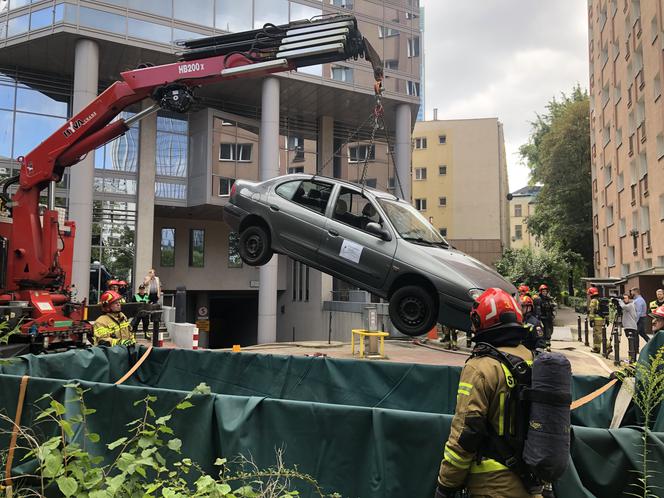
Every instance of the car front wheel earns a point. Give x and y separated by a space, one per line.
255 247
412 310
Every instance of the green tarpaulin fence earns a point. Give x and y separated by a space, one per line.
363 429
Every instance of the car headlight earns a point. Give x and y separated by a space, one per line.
475 293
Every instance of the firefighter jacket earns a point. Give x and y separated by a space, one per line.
535 338
545 307
481 400
653 305
112 329
593 310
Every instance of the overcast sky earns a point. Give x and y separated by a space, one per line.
505 59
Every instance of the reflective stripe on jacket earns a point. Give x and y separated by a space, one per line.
593 310
112 328
482 395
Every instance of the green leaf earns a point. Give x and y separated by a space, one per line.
202 388
67 485
58 407
184 405
163 420
220 461
174 444
52 464
93 437
116 443
89 411
66 426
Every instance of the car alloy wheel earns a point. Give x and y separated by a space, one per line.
255 246
412 310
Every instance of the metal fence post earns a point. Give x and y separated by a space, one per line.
585 330
578 327
604 345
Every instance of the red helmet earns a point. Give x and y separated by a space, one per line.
109 297
657 313
112 282
495 309
527 301
543 287
593 291
524 289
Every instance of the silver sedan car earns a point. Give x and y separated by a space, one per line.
368 238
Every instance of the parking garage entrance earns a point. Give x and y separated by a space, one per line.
233 319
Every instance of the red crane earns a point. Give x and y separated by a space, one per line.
36 251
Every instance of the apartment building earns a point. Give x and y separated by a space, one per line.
522 205
626 39
153 198
460 183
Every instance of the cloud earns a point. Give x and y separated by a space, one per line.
503 59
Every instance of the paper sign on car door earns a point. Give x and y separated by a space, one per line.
351 251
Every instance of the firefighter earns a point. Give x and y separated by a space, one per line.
112 328
596 320
449 338
496 320
545 309
524 290
657 319
653 305
115 286
535 338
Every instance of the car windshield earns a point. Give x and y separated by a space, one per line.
410 224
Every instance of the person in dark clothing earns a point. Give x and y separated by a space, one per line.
535 336
141 316
545 310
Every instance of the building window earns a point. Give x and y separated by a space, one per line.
421 143
300 279
344 4
235 152
296 145
414 46
296 169
357 153
172 143
442 139
385 32
518 232
342 73
391 184
197 247
611 255
442 201
225 185
167 248
420 173
443 231
517 211
421 204
609 215
371 182
234 259
442 170
392 64
413 88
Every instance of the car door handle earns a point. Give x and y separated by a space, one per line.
333 233
274 207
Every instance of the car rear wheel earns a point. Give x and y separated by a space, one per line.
255 247
412 310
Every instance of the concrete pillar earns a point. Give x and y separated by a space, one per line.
269 168
402 152
81 181
325 146
147 165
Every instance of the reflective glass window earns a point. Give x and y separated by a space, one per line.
15 4
299 11
172 142
41 18
231 15
18 25
197 248
59 13
34 101
167 247
7 97
234 259
160 8
149 31
183 35
316 70
6 133
104 21
119 3
270 11
202 14
175 191
31 129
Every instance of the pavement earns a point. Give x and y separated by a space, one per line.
431 352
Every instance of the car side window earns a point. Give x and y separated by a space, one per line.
312 195
352 208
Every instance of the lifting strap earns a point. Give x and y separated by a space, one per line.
17 424
135 367
591 396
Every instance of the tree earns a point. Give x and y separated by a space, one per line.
558 155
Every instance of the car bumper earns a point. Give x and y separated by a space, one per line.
233 215
454 312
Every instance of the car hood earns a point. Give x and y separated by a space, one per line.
456 267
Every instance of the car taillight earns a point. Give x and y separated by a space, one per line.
233 190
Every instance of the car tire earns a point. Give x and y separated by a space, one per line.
412 310
255 247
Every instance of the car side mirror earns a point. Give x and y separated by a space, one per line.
375 229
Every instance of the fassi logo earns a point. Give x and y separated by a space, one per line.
76 124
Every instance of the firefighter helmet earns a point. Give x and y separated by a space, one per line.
495 309
593 291
109 297
657 313
524 289
543 287
527 301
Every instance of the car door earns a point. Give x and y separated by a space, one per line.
297 215
348 249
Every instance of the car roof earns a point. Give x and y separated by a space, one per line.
303 176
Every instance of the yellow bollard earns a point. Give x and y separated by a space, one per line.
236 348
